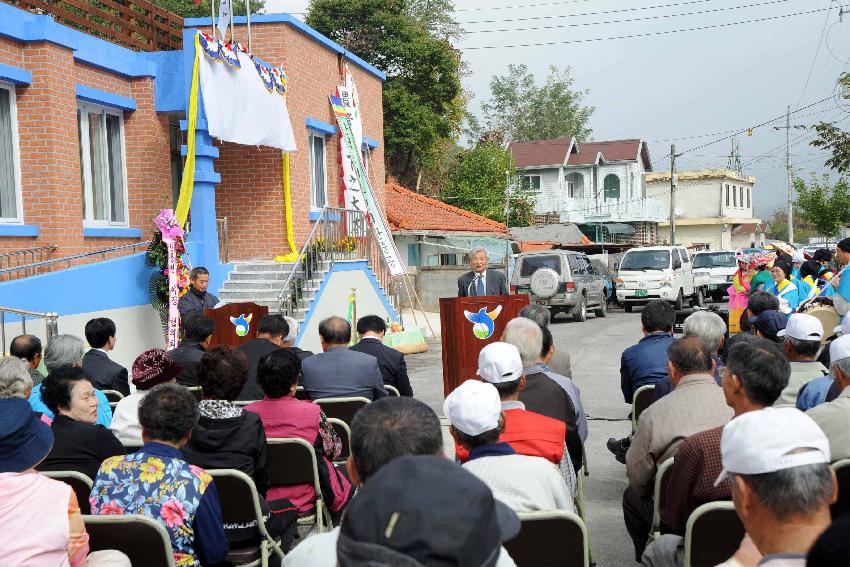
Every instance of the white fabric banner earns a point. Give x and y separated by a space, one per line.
239 106
349 99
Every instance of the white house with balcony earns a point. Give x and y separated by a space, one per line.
588 183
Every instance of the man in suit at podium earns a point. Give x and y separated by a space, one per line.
481 281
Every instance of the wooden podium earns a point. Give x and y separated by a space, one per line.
236 323
469 324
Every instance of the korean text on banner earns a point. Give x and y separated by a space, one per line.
349 99
363 198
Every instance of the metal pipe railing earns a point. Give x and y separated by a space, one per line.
51 322
15 257
69 259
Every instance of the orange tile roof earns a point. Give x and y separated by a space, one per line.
407 210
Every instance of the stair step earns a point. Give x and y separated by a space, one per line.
263 267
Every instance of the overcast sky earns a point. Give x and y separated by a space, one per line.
697 86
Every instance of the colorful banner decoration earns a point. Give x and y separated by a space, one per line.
347 94
287 203
363 199
188 182
170 229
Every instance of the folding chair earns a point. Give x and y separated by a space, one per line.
112 396
196 391
712 535
341 428
393 391
842 474
659 497
79 483
342 408
641 401
240 504
242 403
579 499
550 539
301 394
293 461
142 539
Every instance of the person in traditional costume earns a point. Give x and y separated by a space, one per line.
785 290
739 292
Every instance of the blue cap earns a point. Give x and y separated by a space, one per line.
769 323
24 439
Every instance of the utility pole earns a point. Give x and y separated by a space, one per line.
673 157
789 172
507 218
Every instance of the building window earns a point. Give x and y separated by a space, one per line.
727 195
734 196
611 186
318 181
748 197
631 184
575 185
364 153
531 183
102 172
741 196
10 182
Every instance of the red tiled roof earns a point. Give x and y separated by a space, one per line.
407 210
540 152
616 150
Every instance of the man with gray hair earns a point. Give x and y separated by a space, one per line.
542 394
833 417
67 350
481 281
289 339
560 361
15 379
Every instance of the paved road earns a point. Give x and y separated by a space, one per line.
594 347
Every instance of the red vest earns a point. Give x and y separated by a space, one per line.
529 434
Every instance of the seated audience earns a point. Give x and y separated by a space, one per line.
80 444
755 374
824 388
768 325
151 368
40 516
289 340
559 363
270 334
711 328
758 303
158 482
695 404
778 462
339 371
372 329
541 394
103 372
381 432
524 483
801 343
197 298
285 416
198 330
28 348
834 417
67 350
16 382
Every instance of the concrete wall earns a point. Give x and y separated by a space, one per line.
704 198
434 282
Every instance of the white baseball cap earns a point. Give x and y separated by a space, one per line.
839 348
802 327
844 327
473 407
762 441
499 362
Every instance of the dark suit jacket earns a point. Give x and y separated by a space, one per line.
254 350
495 284
104 373
390 363
544 396
302 354
188 354
341 372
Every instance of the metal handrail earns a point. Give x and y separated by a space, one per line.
69 259
300 260
51 322
28 253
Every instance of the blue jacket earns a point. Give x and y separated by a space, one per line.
104 412
644 363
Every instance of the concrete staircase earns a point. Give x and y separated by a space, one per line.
261 283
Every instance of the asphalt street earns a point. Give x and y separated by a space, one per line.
594 347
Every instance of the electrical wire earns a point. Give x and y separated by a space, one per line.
817 52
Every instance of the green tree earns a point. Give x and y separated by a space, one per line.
189 9
777 227
411 41
826 206
835 140
522 110
477 184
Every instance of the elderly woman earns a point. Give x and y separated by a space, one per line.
785 290
285 416
80 444
150 368
16 381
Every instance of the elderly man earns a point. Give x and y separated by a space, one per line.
755 375
197 298
372 329
481 281
833 417
67 350
778 462
695 404
289 340
339 371
542 394
559 363
28 349
271 331
198 330
802 338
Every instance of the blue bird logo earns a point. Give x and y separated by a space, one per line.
242 324
483 321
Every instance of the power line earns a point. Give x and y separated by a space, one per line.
817 52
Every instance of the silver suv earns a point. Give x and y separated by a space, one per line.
563 280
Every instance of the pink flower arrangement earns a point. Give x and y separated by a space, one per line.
168 225
173 513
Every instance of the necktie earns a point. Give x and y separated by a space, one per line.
479 285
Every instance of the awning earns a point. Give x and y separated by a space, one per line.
619 228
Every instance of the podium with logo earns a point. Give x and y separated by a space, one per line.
468 324
236 323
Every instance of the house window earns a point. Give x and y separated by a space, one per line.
727 195
611 186
631 184
575 185
734 196
10 202
103 177
531 183
318 181
741 196
748 197
365 155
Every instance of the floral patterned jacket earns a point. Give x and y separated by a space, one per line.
157 482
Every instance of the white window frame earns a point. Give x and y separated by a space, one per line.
84 109
366 154
527 177
16 156
310 136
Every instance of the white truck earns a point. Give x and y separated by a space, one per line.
659 272
720 265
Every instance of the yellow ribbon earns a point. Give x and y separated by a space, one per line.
287 200
188 182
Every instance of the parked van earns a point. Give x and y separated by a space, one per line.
720 265
562 280
659 272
